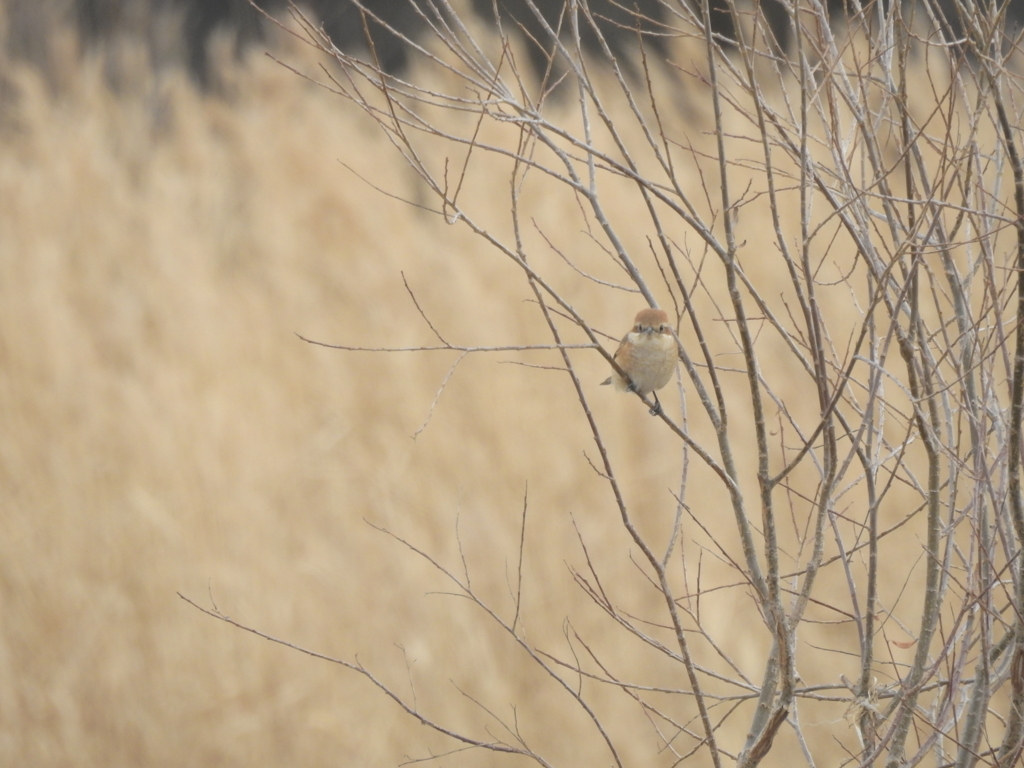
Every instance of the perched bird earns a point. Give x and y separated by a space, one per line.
648 355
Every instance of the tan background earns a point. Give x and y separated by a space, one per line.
164 431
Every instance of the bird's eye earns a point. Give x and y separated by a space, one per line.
664 329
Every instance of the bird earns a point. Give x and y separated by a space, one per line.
648 356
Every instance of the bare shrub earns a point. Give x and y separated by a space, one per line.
838 235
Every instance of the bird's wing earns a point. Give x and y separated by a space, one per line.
622 346
618 359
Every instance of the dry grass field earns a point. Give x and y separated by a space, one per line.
165 431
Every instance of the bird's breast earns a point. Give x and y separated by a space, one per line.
653 361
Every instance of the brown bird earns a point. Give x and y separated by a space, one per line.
648 355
